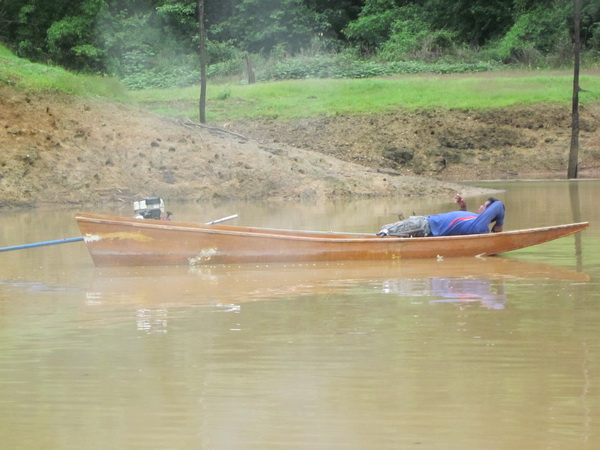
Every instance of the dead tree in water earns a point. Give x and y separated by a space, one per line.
574 150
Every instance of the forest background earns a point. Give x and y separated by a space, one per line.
448 90
154 43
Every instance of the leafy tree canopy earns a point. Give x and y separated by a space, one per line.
155 42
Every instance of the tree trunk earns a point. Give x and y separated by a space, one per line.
574 151
250 70
202 48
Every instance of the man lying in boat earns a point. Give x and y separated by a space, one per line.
451 223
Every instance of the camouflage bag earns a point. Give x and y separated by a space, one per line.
414 226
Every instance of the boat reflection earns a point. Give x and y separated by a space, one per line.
485 292
154 293
243 283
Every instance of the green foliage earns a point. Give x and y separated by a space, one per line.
54 31
28 76
408 32
258 26
223 94
161 79
342 66
374 24
229 68
475 22
161 71
154 43
221 51
224 60
533 32
67 45
412 37
145 48
181 19
590 24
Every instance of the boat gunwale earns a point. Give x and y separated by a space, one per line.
305 234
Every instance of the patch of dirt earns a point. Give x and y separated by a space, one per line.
58 149
513 142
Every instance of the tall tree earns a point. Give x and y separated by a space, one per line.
574 150
202 51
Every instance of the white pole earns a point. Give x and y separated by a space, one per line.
222 220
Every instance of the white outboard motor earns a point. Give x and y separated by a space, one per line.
149 208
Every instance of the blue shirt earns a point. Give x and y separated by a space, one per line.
464 222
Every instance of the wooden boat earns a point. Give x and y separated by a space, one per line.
122 241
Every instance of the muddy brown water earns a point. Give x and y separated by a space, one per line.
467 353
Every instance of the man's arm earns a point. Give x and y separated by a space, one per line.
460 202
498 219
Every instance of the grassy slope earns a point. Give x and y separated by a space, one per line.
27 76
306 98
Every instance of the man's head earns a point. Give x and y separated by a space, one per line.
487 203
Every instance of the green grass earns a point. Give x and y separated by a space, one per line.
282 100
307 98
6 53
33 77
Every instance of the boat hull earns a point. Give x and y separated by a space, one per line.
119 241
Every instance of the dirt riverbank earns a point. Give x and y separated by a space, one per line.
57 149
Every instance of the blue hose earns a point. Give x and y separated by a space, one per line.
41 244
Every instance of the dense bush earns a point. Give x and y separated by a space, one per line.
540 32
345 67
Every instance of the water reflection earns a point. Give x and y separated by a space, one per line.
152 320
243 283
576 209
152 293
488 293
